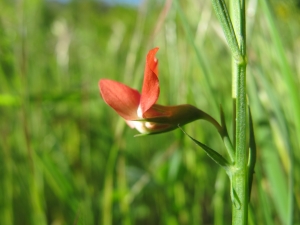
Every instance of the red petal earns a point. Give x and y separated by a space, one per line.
150 90
123 99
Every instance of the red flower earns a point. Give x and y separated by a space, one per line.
140 110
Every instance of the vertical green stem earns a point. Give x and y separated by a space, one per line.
240 176
234 28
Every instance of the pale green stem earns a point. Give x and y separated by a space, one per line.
234 28
240 184
240 176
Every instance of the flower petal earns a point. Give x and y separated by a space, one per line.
178 114
123 99
150 90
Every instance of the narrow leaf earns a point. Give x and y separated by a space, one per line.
219 159
252 153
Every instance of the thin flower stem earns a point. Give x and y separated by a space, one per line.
212 154
222 129
226 138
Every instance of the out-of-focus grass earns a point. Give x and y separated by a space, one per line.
66 158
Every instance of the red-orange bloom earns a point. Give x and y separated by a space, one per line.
140 110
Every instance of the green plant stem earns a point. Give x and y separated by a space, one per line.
240 176
235 32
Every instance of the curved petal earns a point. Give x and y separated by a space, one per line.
178 114
123 99
150 90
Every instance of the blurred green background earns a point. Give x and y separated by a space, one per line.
67 158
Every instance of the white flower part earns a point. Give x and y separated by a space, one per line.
139 112
140 126
149 125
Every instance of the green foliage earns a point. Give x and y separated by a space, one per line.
66 158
